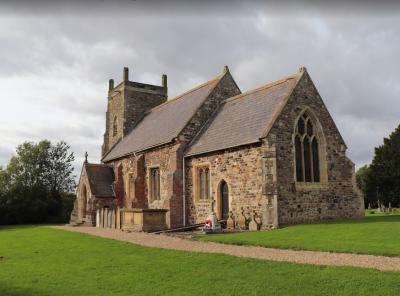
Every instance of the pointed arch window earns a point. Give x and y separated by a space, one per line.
115 126
306 151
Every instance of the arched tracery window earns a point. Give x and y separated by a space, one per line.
306 151
115 126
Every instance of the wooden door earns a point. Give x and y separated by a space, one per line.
224 200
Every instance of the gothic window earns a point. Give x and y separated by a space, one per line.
306 151
154 183
203 182
115 127
131 189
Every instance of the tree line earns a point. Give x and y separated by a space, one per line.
380 181
38 183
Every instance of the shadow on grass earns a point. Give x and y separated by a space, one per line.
25 226
10 290
365 220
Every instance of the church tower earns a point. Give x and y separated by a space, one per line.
127 104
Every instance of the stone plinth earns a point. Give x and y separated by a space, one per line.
147 220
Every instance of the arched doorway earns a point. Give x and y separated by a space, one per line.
224 198
83 202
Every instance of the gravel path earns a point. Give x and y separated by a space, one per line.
306 257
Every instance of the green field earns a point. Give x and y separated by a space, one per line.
375 234
42 261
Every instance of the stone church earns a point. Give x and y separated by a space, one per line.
273 152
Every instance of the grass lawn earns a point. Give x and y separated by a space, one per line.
42 261
375 234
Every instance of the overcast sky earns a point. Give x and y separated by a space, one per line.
56 59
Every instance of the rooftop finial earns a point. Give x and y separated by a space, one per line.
86 156
164 81
303 69
111 84
226 69
126 74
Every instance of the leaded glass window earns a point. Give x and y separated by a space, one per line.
155 183
203 182
306 151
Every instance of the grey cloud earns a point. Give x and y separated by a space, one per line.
62 59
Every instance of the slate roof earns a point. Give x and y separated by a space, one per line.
100 178
164 122
244 119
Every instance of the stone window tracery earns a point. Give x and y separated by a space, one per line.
154 184
203 183
306 151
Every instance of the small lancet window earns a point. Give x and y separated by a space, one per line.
306 151
203 181
155 183
115 127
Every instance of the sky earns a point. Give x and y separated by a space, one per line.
56 59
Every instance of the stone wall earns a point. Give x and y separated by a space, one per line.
137 167
140 98
240 168
335 196
128 102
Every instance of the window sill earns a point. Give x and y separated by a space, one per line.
203 201
310 186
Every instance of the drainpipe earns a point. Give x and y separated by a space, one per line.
183 192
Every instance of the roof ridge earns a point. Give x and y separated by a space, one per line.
97 164
265 86
185 93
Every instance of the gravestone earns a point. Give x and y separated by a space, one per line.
248 217
97 224
230 223
253 224
241 223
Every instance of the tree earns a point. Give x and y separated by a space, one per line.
36 185
362 180
383 182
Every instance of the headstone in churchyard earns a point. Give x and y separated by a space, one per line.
379 206
98 218
390 206
253 224
241 223
105 217
259 220
109 218
369 206
230 223
248 217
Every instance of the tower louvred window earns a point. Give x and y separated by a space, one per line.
306 151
